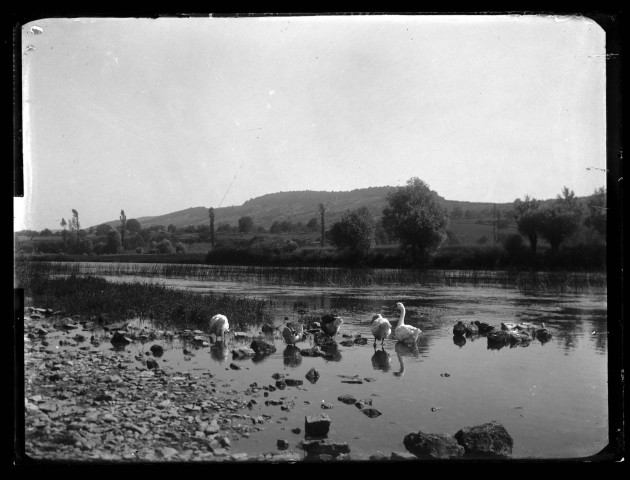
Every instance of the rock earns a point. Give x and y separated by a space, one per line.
198 339
325 447
360 341
471 329
488 440
292 382
119 338
152 364
234 366
243 352
267 328
321 339
262 348
296 430
114 326
378 456
157 350
402 456
278 376
347 399
484 327
311 352
282 444
371 412
312 375
433 445
326 406
316 425
281 384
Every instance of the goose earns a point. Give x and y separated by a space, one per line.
330 324
405 333
292 332
219 325
381 328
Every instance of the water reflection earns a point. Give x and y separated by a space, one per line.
219 351
405 350
381 360
292 356
459 340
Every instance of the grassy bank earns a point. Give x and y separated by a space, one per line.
94 296
577 258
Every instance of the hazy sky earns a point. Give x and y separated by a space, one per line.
154 116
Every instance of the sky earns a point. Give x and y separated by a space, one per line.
151 116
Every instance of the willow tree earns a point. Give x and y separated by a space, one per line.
528 219
414 216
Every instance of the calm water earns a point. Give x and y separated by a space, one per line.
552 398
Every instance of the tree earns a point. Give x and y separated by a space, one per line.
597 211
457 213
165 246
245 224
123 224
322 213
171 228
75 225
65 232
103 229
561 220
211 213
312 225
45 232
354 231
133 226
114 242
528 219
415 218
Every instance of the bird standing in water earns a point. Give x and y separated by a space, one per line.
219 325
381 328
405 333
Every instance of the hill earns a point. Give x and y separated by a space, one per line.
301 206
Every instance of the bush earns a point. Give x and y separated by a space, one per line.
180 248
165 246
139 250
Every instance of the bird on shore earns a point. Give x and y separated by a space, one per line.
293 332
330 324
219 325
405 333
381 328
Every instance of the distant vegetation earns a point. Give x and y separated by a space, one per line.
376 227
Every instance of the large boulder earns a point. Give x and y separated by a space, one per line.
316 425
262 347
325 447
488 440
119 338
433 445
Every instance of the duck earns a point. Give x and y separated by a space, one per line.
330 324
459 329
405 333
293 332
381 328
219 325
543 334
484 327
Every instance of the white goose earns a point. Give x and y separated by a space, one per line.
219 325
381 328
405 333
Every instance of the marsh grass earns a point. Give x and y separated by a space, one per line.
94 296
329 276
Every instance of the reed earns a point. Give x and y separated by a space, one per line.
167 307
329 276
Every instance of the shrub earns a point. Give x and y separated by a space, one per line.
180 248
